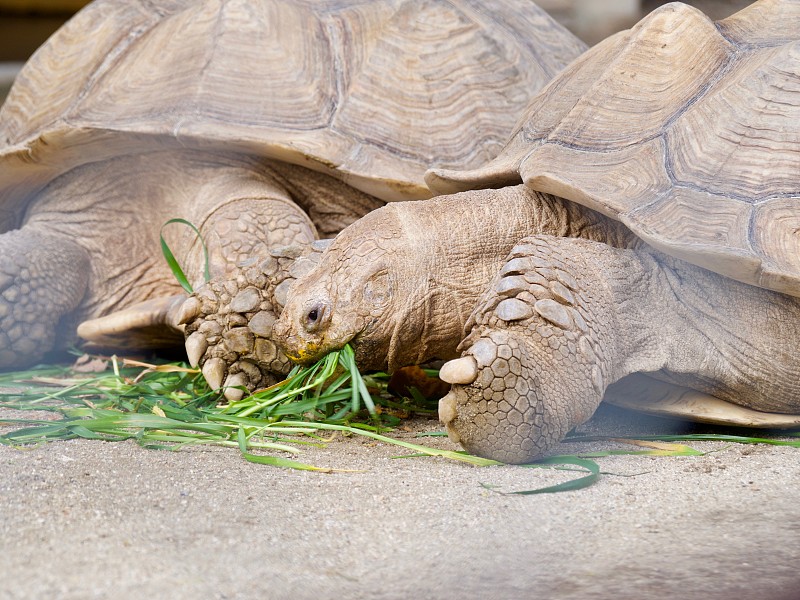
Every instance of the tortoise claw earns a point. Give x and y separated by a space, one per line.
447 414
189 310
462 371
196 346
233 386
214 371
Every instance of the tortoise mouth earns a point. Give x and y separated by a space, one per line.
304 351
305 355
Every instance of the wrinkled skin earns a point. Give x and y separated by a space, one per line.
400 283
565 313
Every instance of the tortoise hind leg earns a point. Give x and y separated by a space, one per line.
43 277
145 325
644 394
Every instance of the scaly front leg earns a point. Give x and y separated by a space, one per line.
264 243
565 318
229 319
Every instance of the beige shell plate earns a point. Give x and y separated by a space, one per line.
685 130
372 92
644 394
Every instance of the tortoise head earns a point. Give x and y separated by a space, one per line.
354 295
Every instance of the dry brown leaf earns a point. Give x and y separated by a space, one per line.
90 364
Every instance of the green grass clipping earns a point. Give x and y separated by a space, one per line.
169 406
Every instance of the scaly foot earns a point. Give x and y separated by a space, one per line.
43 277
229 320
532 367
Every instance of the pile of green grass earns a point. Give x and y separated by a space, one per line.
169 406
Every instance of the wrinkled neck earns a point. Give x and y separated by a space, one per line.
451 248
459 244
429 324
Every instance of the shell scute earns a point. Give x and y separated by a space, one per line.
686 131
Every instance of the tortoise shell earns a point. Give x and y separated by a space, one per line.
687 131
371 92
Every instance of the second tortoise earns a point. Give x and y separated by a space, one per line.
645 222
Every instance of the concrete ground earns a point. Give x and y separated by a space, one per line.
87 519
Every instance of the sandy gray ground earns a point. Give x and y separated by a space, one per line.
87 519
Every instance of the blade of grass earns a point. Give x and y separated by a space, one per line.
468 458
589 466
277 461
173 263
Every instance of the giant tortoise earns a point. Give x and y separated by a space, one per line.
646 221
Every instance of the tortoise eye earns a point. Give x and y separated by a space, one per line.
314 317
